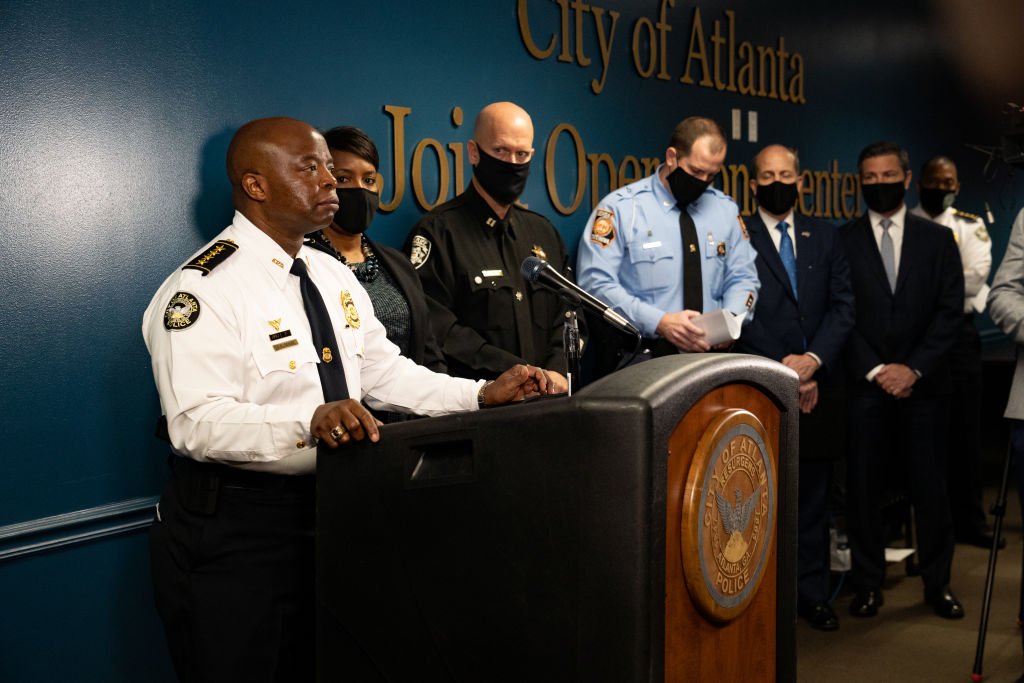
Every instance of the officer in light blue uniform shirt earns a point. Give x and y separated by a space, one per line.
632 252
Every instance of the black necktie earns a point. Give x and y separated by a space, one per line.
693 288
332 373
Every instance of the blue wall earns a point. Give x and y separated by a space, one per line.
114 120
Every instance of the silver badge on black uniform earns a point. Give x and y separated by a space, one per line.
420 251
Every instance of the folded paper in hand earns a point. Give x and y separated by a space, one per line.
720 325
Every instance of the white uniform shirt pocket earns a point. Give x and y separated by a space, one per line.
352 343
287 358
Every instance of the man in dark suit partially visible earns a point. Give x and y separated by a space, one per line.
803 317
909 285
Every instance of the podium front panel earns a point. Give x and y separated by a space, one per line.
532 542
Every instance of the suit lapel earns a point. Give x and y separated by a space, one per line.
908 247
806 249
765 247
872 258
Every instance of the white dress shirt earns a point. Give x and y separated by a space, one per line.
895 231
234 385
771 222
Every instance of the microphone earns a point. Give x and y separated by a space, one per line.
540 271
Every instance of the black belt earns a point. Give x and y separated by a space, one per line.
209 476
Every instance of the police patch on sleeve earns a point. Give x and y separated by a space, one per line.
420 251
743 227
181 312
603 232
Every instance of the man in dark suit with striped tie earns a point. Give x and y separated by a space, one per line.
803 318
909 285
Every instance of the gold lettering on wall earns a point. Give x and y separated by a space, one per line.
633 174
551 146
826 193
604 41
524 32
697 52
713 56
397 115
417 173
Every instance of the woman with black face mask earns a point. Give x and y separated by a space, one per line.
385 273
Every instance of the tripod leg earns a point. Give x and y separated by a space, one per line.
999 510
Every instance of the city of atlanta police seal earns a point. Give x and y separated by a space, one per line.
728 517
182 311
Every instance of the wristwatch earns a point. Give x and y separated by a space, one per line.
480 401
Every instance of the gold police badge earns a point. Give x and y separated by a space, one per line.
181 312
349 306
728 517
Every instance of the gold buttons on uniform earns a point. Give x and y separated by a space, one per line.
300 444
291 365
519 296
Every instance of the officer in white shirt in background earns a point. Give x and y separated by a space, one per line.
937 189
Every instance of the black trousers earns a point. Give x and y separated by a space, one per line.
886 436
964 454
822 431
233 573
813 576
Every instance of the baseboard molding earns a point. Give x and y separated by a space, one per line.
72 528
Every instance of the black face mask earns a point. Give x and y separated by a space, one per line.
685 188
777 198
502 180
935 200
883 197
357 207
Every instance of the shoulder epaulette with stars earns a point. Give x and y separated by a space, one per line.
963 214
212 257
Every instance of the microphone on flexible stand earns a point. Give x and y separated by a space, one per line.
539 271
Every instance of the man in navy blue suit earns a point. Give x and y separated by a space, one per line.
804 315
909 286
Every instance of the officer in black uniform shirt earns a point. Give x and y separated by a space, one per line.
468 253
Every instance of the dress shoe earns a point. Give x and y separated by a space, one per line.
866 603
945 604
981 538
818 615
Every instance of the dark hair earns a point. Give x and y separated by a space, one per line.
881 149
351 139
791 150
690 129
934 163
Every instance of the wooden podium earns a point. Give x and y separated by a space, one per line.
642 530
